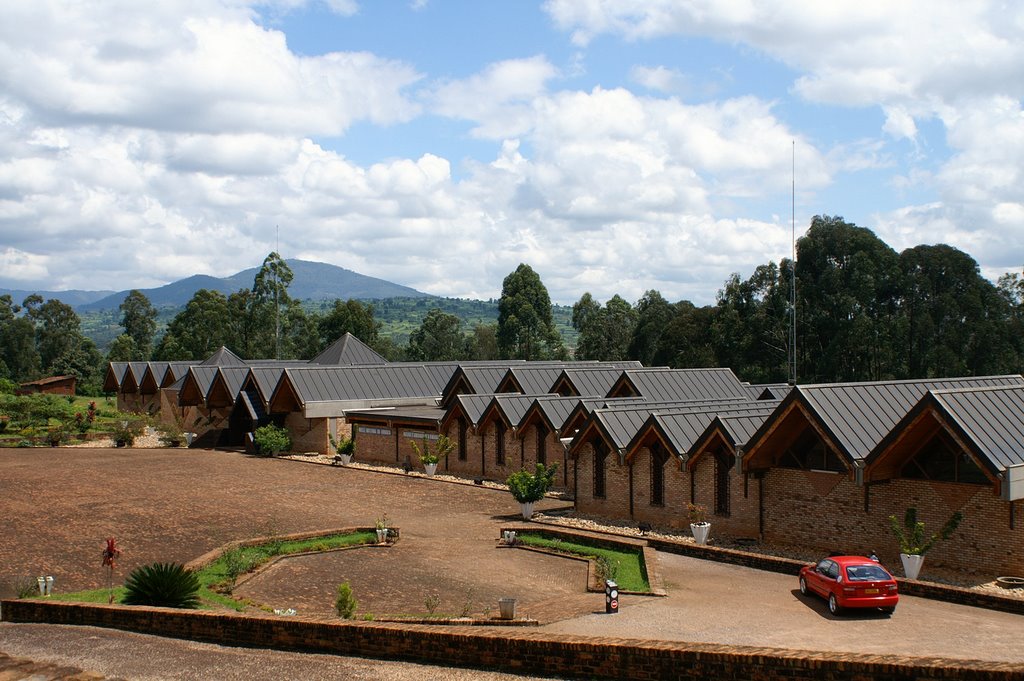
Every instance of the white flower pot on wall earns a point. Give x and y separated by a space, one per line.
700 532
430 468
912 564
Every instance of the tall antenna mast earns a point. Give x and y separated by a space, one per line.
792 328
277 304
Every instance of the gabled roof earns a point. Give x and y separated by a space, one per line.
587 381
264 380
226 386
175 371
472 407
682 429
196 384
536 379
767 391
223 357
679 384
340 388
857 417
475 379
132 378
152 377
554 410
348 350
513 406
114 376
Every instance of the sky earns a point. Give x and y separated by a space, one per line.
615 146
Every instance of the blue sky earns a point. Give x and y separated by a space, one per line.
615 146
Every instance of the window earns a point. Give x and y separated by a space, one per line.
542 444
419 435
499 442
600 454
941 459
809 453
659 457
724 461
373 430
462 439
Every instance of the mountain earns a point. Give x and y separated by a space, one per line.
72 298
312 281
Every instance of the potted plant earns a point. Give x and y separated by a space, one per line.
428 458
913 544
271 440
343 449
171 434
699 525
528 488
382 529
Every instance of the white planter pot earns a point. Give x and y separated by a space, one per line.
430 468
382 536
911 564
527 509
346 459
507 608
188 439
700 532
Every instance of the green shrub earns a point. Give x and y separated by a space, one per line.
237 562
442 449
271 440
345 603
127 430
911 535
527 487
167 585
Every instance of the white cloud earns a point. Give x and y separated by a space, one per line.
659 79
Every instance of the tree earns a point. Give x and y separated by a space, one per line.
483 342
270 301
956 322
58 329
439 338
526 328
349 316
139 322
847 283
198 330
18 352
122 349
604 333
686 341
653 315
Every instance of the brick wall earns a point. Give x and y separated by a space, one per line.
533 653
371 447
308 435
827 511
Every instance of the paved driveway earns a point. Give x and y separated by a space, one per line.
58 505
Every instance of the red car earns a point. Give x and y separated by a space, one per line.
850 582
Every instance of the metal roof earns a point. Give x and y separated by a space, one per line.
473 406
423 413
482 380
223 357
684 429
266 379
556 409
514 406
860 415
348 350
993 418
201 377
596 381
683 384
233 378
388 381
115 375
622 425
767 391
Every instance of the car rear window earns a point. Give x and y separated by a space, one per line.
866 573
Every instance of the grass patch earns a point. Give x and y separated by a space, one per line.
218 578
624 566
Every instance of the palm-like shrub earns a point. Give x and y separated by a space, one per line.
167 585
528 487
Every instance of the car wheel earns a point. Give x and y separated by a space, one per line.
833 604
889 611
803 586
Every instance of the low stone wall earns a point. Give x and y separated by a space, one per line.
508 650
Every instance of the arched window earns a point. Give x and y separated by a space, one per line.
659 457
600 456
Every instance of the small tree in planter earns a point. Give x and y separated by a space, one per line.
699 525
271 440
914 544
343 449
428 458
528 488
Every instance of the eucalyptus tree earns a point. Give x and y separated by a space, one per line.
138 317
526 327
438 338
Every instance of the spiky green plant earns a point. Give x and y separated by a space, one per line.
167 585
345 603
911 535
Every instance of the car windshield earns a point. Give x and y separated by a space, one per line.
866 573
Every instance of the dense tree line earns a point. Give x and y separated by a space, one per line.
864 312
